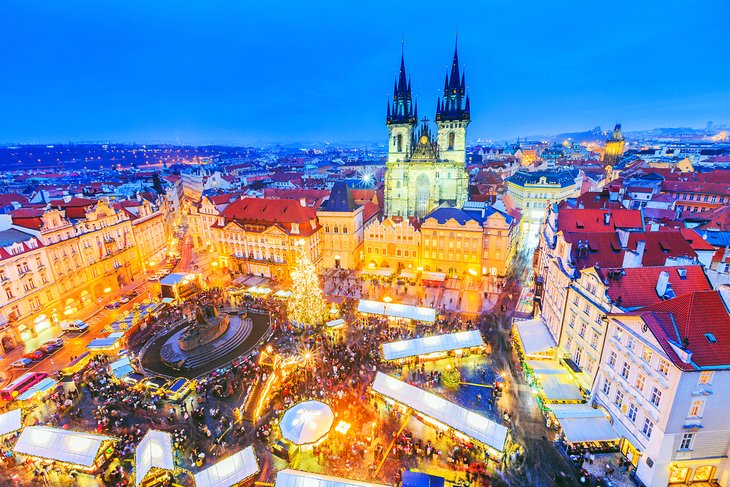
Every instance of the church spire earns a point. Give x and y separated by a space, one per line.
454 106
402 111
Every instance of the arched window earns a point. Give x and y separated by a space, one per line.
452 137
399 142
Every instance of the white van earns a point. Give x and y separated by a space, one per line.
74 325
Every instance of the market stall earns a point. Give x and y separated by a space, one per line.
435 346
585 428
534 339
433 279
396 310
233 470
110 343
85 451
298 478
377 272
555 382
11 421
38 389
121 368
441 413
177 286
153 458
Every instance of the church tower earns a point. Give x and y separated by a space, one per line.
614 147
401 118
452 115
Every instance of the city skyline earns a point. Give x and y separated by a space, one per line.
234 74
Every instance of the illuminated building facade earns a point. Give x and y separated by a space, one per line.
614 148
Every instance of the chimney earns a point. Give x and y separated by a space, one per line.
67 198
623 238
640 247
606 218
662 283
654 227
724 290
303 202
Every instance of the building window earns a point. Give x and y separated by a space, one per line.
695 409
626 370
632 412
9 292
618 334
686 443
606 386
648 427
582 331
646 354
594 341
705 378
664 367
619 399
640 381
656 396
631 343
612 359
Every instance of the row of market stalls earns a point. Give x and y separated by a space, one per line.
426 278
416 314
124 325
557 392
443 414
433 347
88 452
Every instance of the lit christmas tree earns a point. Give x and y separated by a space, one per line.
306 304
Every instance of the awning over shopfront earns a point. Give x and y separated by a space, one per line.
229 471
556 382
121 368
43 386
471 424
11 421
298 478
395 310
407 274
154 451
335 323
432 344
582 423
378 272
534 337
433 276
306 422
60 445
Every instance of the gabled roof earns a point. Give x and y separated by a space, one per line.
269 212
594 220
635 287
340 199
698 322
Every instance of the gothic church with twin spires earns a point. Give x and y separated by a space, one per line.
423 173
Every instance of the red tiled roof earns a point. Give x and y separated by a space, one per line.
597 200
604 248
686 320
715 219
269 212
702 187
695 240
592 220
636 287
28 217
10 198
370 210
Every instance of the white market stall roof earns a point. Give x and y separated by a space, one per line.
229 471
106 342
432 344
172 279
154 451
468 422
582 423
297 478
11 421
42 386
396 310
534 336
121 368
60 445
381 272
556 382
306 422
335 323
433 276
407 274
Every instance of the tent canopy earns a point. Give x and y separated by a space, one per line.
11 421
335 323
432 344
60 445
582 423
306 422
534 336
154 451
557 383
380 272
230 471
105 343
121 368
297 478
433 276
467 422
395 310
172 279
42 386
407 274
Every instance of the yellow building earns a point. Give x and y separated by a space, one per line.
685 165
29 302
393 242
614 148
148 226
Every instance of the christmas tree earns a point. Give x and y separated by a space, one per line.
306 304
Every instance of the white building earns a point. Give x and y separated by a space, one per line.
665 379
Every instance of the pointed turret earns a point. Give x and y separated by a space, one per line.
453 106
402 111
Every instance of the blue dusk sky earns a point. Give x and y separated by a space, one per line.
244 72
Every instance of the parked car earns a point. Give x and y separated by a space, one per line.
22 363
131 294
48 349
74 325
34 355
123 300
56 342
153 277
113 305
